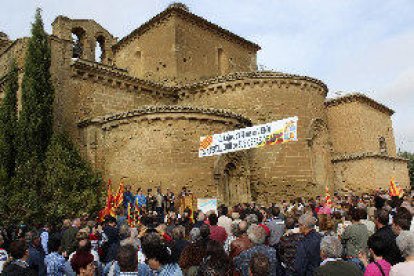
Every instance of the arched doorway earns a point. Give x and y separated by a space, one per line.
232 178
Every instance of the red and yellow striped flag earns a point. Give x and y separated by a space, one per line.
394 189
328 196
119 197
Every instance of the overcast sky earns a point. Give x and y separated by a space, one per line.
362 46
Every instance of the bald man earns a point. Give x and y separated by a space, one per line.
242 242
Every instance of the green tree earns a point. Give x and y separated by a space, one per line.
36 117
8 123
35 128
410 157
71 185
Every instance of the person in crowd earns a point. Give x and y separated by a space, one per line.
259 265
169 201
288 245
150 201
95 236
379 266
257 236
384 232
124 232
127 263
19 265
83 263
36 254
405 243
332 264
83 244
162 231
121 218
69 237
128 198
3 254
216 261
44 237
307 257
217 233
276 226
140 199
65 226
355 238
401 221
193 255
242 242
159 256
55 263
159 205
326 225
224 221
232 237
201 217
112 239
235 217
364 220
131 238
179 241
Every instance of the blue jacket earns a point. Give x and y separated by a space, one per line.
140 200
307 257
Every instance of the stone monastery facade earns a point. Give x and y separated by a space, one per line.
137 113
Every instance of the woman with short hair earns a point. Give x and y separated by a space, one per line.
405 242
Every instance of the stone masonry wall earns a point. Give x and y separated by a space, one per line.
367 174
157 149
281 170
151 55
356 127
203 54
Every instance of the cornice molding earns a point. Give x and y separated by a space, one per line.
234 80
168 112
366 155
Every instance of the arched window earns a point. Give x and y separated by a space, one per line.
78 38
383 146
100 49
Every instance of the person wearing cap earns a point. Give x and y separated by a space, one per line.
307 257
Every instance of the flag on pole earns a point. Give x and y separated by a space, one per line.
119 197
108 209
328 196
394 189
130 217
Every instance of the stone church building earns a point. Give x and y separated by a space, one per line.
138 108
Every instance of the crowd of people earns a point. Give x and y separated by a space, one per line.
370 234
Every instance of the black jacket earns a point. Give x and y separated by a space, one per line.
18 269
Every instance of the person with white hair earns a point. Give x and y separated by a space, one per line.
307 257
332 264
257 236
405 242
